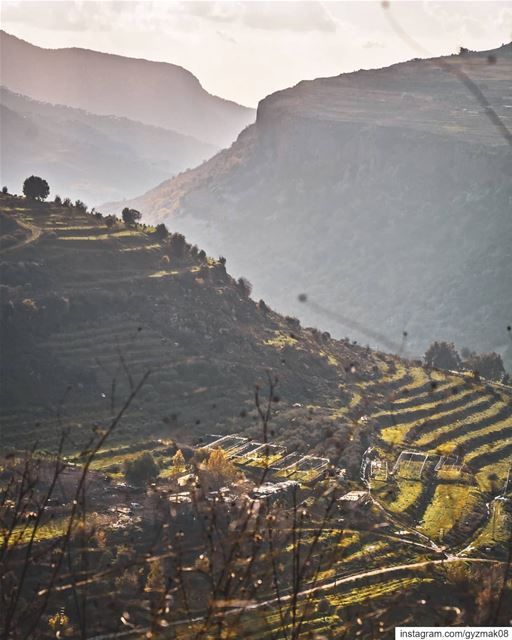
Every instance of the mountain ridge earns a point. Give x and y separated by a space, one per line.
156 93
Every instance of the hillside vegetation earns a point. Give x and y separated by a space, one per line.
384 195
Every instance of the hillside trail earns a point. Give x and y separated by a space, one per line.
35 233
362 575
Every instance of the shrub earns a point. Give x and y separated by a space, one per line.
58 201
178 245
262 306
219 272
316 334
178 460
217 471
202 255
155 582
244 286
222 260
161 231
66 202
4 190
141 470
110 221
81 206
36 188
292 322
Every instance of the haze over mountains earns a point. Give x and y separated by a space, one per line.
155 93
87 156
384 195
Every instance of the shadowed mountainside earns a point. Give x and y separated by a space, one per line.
80 302
156 93
94 158
385 195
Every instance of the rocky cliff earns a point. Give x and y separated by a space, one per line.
384 195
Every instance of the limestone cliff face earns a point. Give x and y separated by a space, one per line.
385 195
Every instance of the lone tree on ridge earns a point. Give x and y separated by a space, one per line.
36 188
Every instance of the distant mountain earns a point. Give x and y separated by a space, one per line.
156 93
384 195
82 155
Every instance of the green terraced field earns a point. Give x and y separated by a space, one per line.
455 415
450 505
447 414
496 533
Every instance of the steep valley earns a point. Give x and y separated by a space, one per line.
383 195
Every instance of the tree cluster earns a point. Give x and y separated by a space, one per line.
444 355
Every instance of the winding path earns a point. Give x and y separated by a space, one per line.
35 232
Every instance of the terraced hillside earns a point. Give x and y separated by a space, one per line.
82 302
87 310
441 463
452 415
84 305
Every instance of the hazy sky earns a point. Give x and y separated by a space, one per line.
246 50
